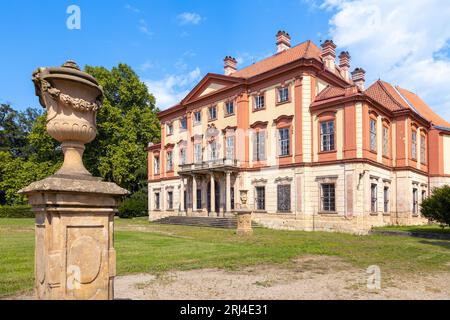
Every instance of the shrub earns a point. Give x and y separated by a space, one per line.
437 206
16 212
134 206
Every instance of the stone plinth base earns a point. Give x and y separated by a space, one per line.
74 255
244 222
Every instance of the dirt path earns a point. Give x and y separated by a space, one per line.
311 277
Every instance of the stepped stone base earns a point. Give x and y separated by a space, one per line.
224 223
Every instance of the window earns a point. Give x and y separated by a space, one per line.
260 198
283 136
212 113
169 128
415 201
198 152
213 154
414 145
373 135
230 148
259 148
183 156
197 117
386 199
283 94
423 158
259 102
424 195
157 203
170 200
373 198
327 136
169 161
229 107
386 141
156 165
284 198
328 197
183 123
199 199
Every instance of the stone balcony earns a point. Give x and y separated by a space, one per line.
206 167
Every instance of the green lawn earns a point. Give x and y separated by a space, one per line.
145 247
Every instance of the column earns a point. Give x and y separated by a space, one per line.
194 194
228 193
213 194
182 208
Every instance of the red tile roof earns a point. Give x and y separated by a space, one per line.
383 93
306 50
422 108
330 92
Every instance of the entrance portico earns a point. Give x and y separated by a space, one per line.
209 188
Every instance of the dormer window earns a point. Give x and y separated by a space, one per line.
212 113
259 102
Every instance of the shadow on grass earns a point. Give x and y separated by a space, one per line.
444 244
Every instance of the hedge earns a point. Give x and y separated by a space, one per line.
16 212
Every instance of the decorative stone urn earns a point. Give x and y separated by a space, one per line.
244 216
72 99
74 253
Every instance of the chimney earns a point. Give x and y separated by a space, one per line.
329 54
359 78
230 65
344 65
283 41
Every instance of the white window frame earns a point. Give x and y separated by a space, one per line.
198 153
169 160
259 102
284 143
373 134
283 94
197 117
229 145
327 142
212 110
229 105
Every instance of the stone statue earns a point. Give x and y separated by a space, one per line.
75 256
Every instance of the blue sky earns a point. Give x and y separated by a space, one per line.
172 44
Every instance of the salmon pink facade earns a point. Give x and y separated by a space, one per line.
315 148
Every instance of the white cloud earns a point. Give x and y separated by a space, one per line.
172 88
143 27
131 8
147 65
403 42
189 18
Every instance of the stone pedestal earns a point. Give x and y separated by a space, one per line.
244 216
74 255
244 222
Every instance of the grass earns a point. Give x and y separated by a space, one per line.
143 247
433 228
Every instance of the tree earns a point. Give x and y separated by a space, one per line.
14 129
126 123
437 206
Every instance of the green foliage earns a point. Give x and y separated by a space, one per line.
16 212
126 123
437 206
134 206
17 173
14 129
